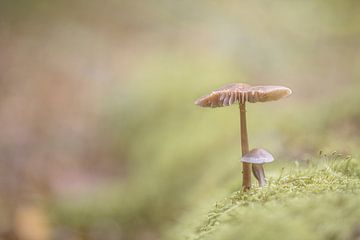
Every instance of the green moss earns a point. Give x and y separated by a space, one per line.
319 202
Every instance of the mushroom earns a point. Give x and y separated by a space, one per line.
257 157
241 93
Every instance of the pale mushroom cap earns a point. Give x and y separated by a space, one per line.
241 93
258 156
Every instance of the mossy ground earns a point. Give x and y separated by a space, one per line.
320 201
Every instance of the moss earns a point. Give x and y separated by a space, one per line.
318 202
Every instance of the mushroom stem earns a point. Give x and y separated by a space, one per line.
259 174
244 147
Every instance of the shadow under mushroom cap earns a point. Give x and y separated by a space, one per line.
241 93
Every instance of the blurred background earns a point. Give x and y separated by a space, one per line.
100 137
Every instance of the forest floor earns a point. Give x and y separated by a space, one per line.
320 201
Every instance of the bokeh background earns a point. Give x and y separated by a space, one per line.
100 137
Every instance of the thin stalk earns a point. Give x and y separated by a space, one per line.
244 147
259 173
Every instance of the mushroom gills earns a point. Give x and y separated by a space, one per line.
226 100
259 174
222 96
232 98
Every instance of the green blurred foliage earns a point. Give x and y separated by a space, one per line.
138 67
184 157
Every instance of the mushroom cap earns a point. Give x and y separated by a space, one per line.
258 156
241 93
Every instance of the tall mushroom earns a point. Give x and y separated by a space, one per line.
241 93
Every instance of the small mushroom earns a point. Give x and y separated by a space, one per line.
241 93
258 157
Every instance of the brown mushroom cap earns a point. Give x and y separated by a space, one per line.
241 93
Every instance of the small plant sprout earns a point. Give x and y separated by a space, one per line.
257 157
241 93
